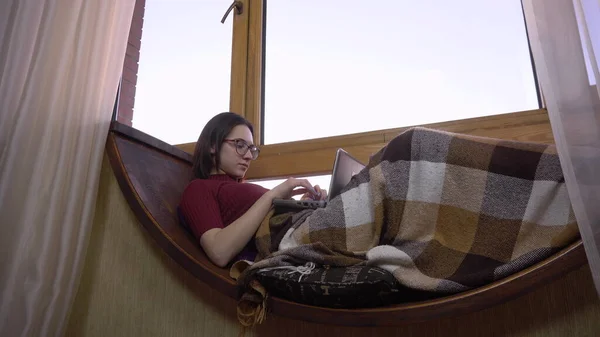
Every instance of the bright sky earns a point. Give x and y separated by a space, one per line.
336 67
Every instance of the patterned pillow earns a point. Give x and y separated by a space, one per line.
349 287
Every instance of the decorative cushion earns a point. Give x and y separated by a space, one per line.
348 287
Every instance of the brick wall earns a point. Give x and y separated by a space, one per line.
130 67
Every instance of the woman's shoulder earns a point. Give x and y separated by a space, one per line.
210 183
200 184
198 189
215 182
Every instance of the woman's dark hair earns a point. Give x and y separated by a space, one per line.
211 136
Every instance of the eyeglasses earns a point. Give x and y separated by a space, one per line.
241 147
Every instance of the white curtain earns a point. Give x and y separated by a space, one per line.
60 64
565 41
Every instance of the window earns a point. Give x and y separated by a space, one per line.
184 68
351 66
350 71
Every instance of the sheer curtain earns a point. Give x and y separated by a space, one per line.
60 63
565 40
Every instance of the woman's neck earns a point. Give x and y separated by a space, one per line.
217 171
221 172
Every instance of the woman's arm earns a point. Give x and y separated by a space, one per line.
222 244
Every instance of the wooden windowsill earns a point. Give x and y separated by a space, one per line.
315 156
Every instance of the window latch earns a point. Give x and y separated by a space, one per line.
239 7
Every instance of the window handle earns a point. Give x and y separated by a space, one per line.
238 5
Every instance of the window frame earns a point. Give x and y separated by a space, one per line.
315 156
247 64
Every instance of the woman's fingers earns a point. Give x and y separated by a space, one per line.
293 186
321 193
299 191
303 183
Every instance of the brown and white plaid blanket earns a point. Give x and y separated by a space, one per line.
442 212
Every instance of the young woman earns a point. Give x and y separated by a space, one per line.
223 211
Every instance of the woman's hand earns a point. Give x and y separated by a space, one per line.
320 195
289 188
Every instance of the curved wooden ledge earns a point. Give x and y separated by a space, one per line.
152 176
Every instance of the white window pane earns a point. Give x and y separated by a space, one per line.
588 21
323 182
184 71
347 66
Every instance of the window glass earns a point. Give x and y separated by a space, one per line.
346 66
592 22
184 68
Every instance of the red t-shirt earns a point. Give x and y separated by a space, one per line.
216 202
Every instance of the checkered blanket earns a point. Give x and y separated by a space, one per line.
442 212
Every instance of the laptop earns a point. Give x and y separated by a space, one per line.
344 168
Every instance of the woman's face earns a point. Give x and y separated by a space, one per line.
232 163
